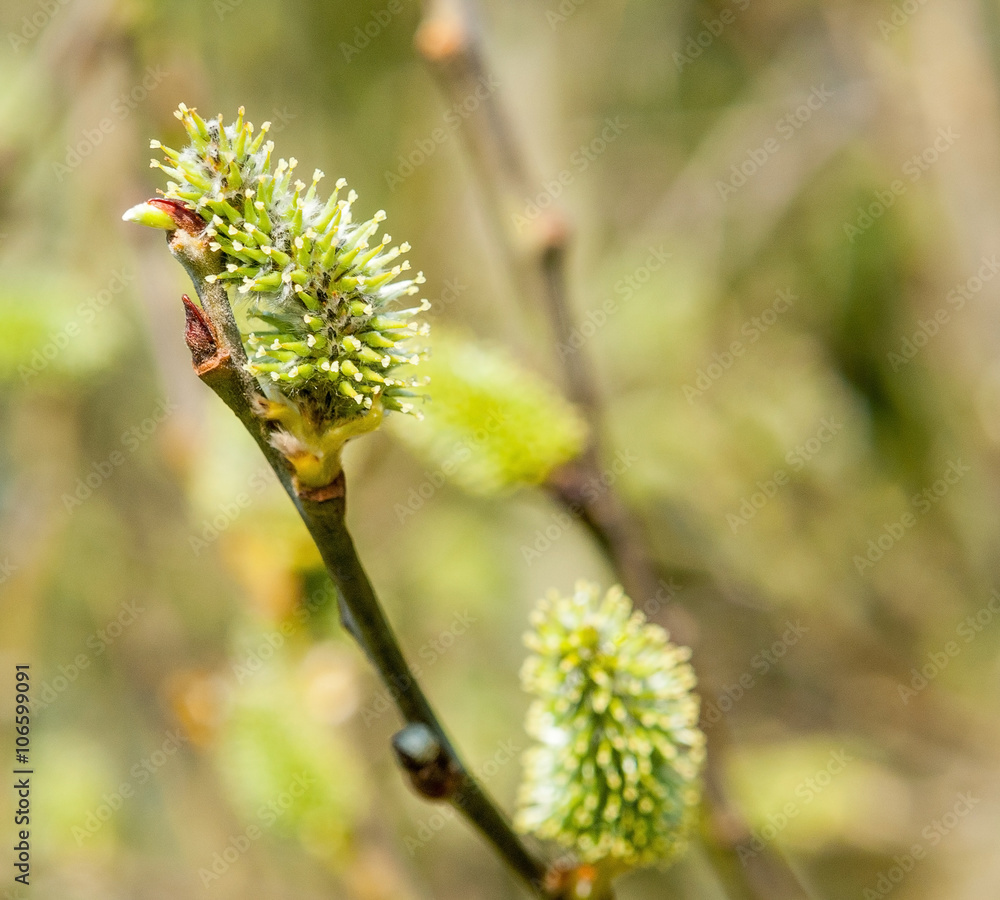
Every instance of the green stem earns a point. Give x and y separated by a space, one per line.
219 359
364 618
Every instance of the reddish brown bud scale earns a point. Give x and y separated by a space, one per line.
185 218
198 334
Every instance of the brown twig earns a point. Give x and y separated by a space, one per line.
448 42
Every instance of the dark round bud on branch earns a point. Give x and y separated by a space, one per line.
432 771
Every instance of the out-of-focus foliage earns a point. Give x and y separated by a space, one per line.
785 217
50 329
273 747
489 424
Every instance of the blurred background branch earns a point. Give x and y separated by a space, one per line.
448 42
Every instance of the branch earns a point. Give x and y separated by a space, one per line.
422 748
452 49
433 764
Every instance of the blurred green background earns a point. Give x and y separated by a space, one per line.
783 271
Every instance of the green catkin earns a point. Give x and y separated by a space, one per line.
614 776
298 267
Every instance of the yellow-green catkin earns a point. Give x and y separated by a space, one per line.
311 288
614 775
